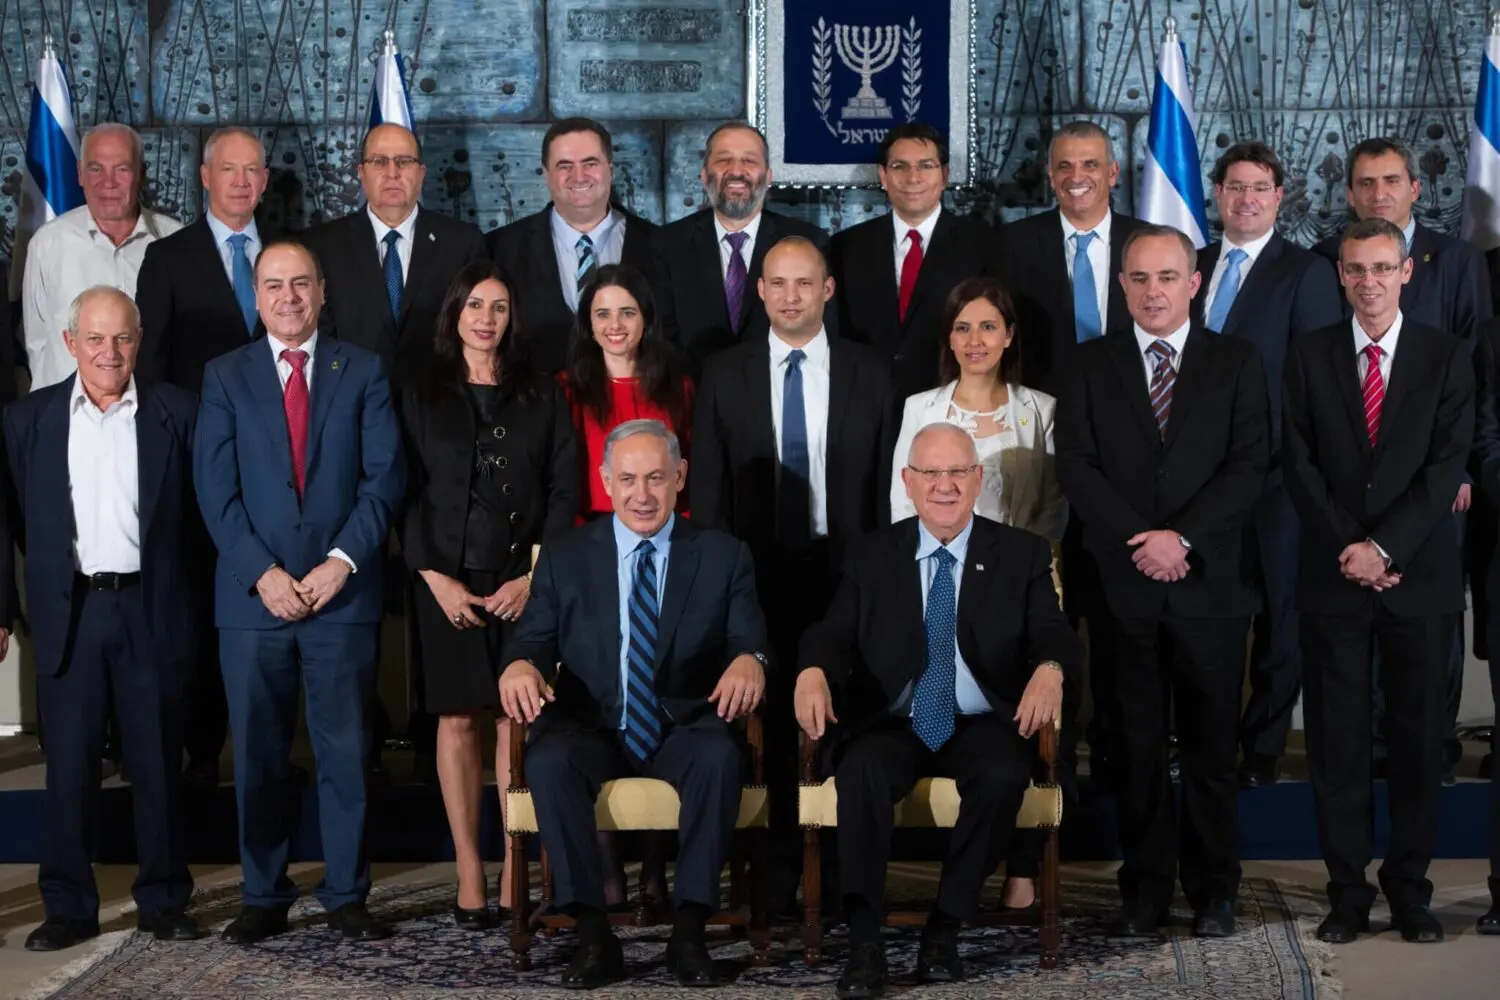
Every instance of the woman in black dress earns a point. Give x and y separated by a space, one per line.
493 463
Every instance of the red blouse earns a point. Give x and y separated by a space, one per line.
625 403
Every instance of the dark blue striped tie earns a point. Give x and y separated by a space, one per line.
1163 379
394 283
643 719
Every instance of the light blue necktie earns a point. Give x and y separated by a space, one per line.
794 491
1085 294
588 264
1229 287
643 721
244 279
393 280
934 702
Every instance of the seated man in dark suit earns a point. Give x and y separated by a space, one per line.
1163 440
959 696
662 645
102 480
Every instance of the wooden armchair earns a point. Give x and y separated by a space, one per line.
641 804
932 804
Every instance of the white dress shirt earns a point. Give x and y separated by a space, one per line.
1177 339
1387 345
1098 257
104 483
284 372
747 249
903 244
609 246
407 228
815 388
221 240
1252 254
66 256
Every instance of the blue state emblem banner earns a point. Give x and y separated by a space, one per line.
828 78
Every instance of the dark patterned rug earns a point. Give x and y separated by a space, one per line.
1273 956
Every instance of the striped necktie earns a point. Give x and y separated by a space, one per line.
643 716
1373 391
1163 378
588 264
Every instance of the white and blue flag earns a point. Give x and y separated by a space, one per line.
1481 222
1172 182
49 184
390 101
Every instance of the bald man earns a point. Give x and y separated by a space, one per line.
103 485
792 439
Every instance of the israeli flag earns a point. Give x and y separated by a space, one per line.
1172 183
49 184
390 101
1481 222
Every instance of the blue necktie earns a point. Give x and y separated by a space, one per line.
794 492
1085 294
588 264
643 721
934 702
393 280
244 279
1229 287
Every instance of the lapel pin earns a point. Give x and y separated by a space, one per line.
432 237
1025 421
335 365
1427 258
979 567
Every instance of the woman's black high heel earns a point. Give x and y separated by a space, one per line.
471 920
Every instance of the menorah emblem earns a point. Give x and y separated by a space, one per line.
866 51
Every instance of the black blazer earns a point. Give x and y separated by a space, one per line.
871 642
732 477
1034 265
542 459
524 248
867 290
36 445
688 278
1201 481
1484 455
10 605
709 616
8 343
1401 495
1449 287
1289 292
356 308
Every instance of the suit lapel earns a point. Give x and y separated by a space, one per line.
151 454
52 455
1193 374
1407 368
1116 312
756 375
1208 259
973 597
545 277
710 266
765 238
604 569
682 570
420 269
1256 284
908 594
328 367
1054 264
1131 372
1346 374
841 378
258 369
637 249
215 279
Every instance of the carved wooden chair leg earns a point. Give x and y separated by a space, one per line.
760 923
1051 935
547 892
812 896
520 896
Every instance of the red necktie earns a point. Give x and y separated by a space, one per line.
1374 391
909 268
294 401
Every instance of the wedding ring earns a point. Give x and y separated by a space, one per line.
458 619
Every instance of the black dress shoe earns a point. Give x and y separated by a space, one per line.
1214 920
594 964
937 955
1343 924
1139 919
1258 772
1490 922
477 919
201 775
354 922
254 925
168 925
689 961
864 975
1418 925
57 933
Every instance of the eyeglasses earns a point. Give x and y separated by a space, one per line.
901 168
403 163
934 476
1382 270
1261 188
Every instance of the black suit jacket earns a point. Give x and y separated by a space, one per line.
36 445
1401 493
1201 481
1034 265
524 248
1289 292
8 328
356 307
1449 288
871 642
189 314
688 279
732 477
542 460
867 290
709 615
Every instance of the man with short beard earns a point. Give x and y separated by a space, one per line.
707 264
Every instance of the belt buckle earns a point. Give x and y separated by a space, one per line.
106 581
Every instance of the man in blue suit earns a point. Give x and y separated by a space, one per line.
298 467
102 483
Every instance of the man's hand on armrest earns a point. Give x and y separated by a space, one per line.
1042 699
813 702
523 693
740 687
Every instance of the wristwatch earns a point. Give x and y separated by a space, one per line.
761 658
1185 543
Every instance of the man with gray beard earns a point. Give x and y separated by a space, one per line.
707 264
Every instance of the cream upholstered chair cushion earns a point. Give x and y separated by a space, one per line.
634 804
932 803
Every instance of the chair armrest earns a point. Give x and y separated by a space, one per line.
518 754
809 759
755 739
1047 739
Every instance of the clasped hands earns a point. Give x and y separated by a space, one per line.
523 692
1160 555
1362 563
291 599
1039 706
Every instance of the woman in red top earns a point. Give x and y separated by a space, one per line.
621 367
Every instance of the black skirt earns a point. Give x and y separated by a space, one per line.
460 667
